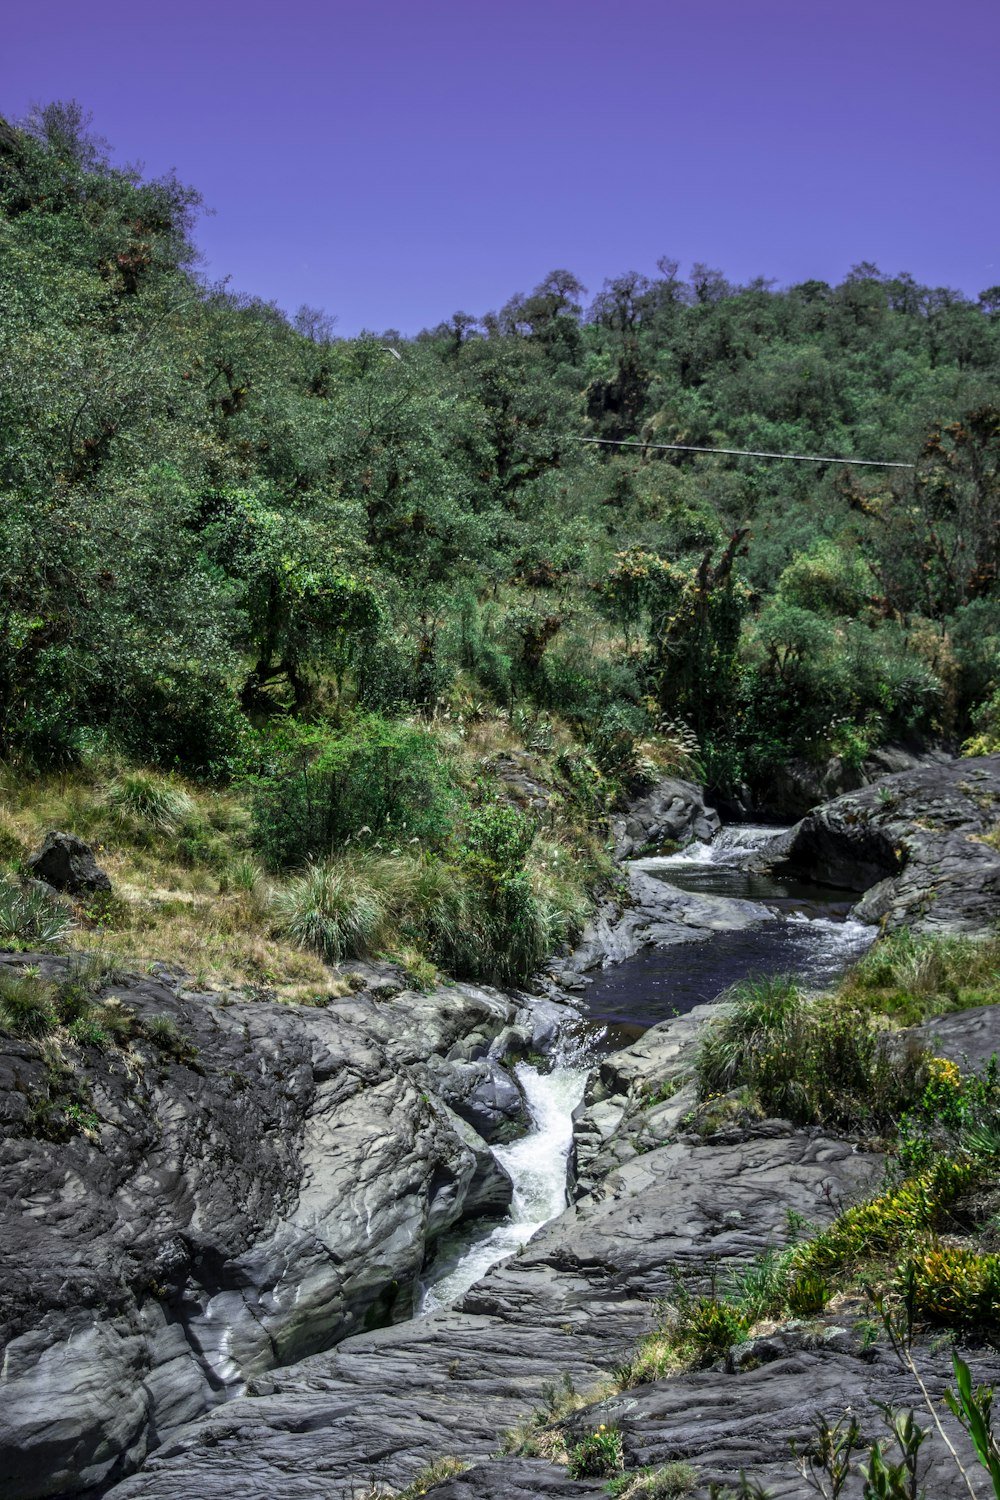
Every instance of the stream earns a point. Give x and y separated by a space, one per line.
809 935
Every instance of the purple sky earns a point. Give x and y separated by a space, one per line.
394 160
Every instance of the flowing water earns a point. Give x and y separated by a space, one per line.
809 934
537 1167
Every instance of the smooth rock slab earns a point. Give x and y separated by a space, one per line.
573 1302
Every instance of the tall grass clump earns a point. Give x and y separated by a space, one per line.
151 800
912 976
29 918
334 909
26 1008
809 1062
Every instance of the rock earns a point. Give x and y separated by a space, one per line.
66 862
914 845
673 812
657 914
797 786
570 1304
253 1193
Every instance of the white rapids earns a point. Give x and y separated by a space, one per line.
537 1167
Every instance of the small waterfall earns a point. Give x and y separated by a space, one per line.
537 1167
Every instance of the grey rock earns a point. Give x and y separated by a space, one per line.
914 845
673 812
570 1304
658 914
245 1200
66 862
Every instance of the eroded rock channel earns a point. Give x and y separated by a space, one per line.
283 1192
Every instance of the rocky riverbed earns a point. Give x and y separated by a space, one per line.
256 1205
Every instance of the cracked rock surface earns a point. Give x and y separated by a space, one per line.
231 1204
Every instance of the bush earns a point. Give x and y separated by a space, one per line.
812 1063
29 918
952 1287
382 784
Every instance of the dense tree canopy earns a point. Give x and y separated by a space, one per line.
211 514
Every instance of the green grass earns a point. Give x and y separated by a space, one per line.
823 1062
912 977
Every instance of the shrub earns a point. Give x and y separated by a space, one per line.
25 1004
30 918
808 1062
917 1207
151 799
953 1287
383 784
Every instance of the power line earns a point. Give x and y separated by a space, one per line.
803 458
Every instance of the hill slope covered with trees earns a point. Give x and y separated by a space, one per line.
239 549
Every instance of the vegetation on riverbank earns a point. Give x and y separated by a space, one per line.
214 514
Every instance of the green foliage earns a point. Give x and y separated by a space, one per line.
211 516
380 785
333 910
811 1062
974 1410
669 1482
26 1008
29 918
598 1455
151 800
912 976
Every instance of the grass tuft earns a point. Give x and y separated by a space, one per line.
151 800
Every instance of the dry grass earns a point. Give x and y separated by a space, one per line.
189 894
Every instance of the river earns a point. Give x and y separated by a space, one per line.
809 934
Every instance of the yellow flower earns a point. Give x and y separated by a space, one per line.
943 1070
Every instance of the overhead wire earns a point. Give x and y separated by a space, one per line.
804 458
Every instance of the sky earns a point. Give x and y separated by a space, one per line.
394 162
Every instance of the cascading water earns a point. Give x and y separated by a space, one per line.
809 936
537 1167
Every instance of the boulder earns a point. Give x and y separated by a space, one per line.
915 845
672 812
66 862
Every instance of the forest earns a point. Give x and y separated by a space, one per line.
327 578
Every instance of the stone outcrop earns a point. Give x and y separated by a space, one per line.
67 863
569 1306
245 1184
914 845
795 787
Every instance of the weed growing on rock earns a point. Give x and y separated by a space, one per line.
598 1455
669 1482
26 1008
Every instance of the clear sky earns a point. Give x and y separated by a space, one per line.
393 161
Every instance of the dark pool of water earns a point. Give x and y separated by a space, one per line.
810 937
